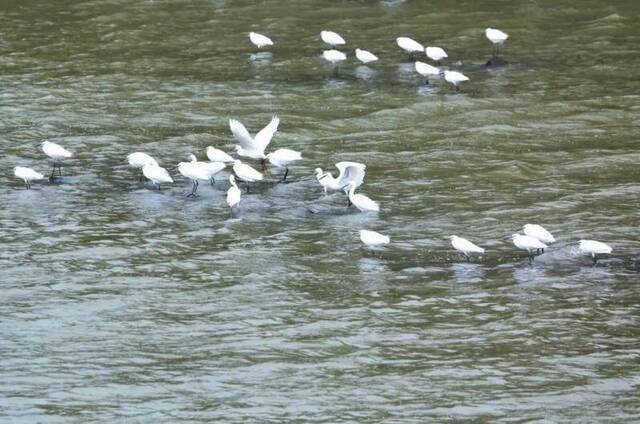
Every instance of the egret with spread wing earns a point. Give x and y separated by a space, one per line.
253 147
350 173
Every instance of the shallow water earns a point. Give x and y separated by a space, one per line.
121 303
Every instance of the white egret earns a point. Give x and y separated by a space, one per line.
57 153
332 38
409 45
455 78
233 194
593 248
27 175
426 70
194 171
334 56
281 158
373 238
350 173
365 56
156 174
464 246
260 40
435 53
138 160
217 155
496 37
362 202
528 243
246 173
539 232
253 147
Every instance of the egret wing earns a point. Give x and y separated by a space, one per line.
425 69
259 39
246 172
212 168
217 155
157 173
364 203
263 138
594 247
286 155
465 245
350 173
409 44
55 150
27 173
241 134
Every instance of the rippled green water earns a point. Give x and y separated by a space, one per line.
119 303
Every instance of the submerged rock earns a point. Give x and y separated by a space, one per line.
495 62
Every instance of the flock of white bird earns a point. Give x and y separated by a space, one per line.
409 45
534 240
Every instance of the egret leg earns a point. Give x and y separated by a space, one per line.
286 172
264 165
595 260
141 176
468 258
193 189
53 173
457 89
59 171
212 181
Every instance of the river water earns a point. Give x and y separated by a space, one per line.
123 304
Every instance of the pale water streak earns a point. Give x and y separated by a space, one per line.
120 303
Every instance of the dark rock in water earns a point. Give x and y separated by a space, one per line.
495 62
